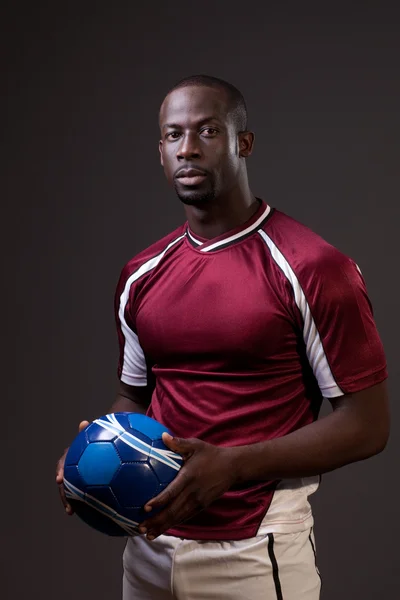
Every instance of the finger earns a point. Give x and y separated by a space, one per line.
82 425
181 509
60 483
183 446
60 468
67 506
59 473
169 493
61 490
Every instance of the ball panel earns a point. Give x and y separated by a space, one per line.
96 433
159 445
138 435
134 484
97 520
124 445
136 514
105 495
164 473
147 425
72 475
165 463
76 448
99 463
122 418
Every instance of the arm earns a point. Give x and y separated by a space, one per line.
129 399
132 367
357 428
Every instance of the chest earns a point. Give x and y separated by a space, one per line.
213 306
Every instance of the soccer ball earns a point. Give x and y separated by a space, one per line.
113 467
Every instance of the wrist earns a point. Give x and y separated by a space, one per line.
242 458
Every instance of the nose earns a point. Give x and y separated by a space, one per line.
189 147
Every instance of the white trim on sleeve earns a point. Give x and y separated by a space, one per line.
134 369
314 348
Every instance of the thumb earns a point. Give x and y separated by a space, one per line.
180 445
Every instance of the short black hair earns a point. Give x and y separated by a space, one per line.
237 104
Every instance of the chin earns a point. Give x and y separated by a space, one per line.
195 197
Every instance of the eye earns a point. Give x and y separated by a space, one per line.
209 131
172 135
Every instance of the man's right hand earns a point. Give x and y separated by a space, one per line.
60 474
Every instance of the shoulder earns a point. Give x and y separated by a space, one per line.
155 251
149 257
316 269
304 251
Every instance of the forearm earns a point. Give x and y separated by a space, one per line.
325 445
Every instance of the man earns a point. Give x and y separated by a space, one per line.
232 330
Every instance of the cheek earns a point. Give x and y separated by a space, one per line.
167 166
230 166
230 157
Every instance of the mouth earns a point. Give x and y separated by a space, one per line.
190 177
192 180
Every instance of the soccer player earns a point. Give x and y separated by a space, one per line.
232 329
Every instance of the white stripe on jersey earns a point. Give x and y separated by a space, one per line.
242 233
134 370
315 350
193 238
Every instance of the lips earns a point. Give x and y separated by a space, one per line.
195 180
190 176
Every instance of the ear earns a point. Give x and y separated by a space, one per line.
246 143
160 148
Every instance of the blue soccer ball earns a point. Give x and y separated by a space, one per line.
113 467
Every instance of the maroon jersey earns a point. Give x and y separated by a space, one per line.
244 335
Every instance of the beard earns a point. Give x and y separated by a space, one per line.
195 196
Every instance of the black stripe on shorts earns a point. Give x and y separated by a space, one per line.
275 570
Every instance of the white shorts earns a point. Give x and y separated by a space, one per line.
266 567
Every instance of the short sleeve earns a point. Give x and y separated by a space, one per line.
343 344
132 367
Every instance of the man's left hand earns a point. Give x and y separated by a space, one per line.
207 473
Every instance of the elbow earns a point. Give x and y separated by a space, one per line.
377 440
382 441
382 432
379 427
367 416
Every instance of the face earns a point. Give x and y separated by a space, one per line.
201 151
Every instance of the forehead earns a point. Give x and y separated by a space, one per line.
192 103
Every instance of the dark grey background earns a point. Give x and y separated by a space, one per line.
84 192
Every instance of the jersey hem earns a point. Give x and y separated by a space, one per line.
232 534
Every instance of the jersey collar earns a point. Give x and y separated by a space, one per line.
234 235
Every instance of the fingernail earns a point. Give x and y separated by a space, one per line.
142 529
151 537
148 508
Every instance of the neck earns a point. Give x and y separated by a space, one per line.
223 214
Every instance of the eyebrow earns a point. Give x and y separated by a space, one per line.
201 122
